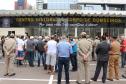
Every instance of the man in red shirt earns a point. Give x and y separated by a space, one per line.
123 51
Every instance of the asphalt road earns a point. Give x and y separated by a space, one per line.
37 75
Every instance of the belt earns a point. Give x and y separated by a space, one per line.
63 57
114 54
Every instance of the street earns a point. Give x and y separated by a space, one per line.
37 75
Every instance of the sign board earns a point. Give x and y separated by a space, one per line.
53 21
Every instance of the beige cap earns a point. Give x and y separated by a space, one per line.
83 33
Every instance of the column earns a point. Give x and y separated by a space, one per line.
76 32
102 31
49 31
125 32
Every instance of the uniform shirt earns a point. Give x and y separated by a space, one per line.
64 49
115 48
9 46
84 47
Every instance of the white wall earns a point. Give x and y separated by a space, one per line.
18 31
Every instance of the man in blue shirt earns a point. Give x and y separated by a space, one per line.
64 50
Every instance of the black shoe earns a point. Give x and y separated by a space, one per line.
21 64
78 82
45 67
67 83
6 74
74 70
31 65
123 76
93 79
103 81
58 83
13 74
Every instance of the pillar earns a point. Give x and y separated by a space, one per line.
76 32
49 31
102 31
125 32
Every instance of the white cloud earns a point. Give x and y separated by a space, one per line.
9 4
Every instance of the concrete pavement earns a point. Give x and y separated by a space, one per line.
37 75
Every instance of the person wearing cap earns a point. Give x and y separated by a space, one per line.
83 57
114 56
9 47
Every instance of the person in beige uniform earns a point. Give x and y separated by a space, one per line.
84 50
114 59
9 49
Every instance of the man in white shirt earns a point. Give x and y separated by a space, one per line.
20 48
51 54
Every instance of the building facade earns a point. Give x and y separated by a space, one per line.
56 4
99 5
92 16
60 4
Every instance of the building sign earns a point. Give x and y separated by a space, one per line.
49 21
70 20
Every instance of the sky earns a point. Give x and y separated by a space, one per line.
9 4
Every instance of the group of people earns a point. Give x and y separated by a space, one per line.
55 52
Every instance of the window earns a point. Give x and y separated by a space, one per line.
11 32
60 4
93 7
116 7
